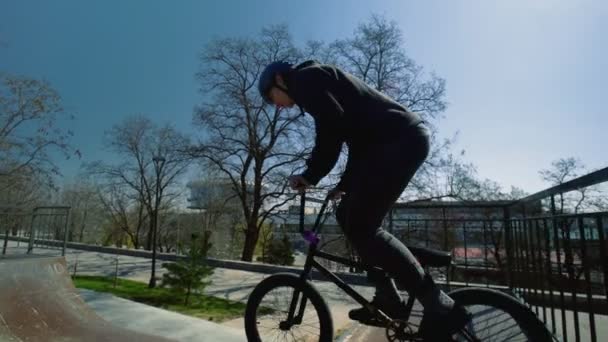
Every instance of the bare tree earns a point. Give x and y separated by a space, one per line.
85 207
444 177
582 199
599 200
138 141
244 137
587 198
125 212
561 171
220 211
376 53
493 229
21 193
153 161
29 111
250 143
24 189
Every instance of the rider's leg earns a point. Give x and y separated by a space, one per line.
381 180
385 286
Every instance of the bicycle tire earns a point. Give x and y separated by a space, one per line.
254 317
475 299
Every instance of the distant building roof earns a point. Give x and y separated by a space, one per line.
453 204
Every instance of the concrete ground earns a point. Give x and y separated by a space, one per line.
225 283
150 320
237 285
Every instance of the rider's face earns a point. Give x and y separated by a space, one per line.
280 98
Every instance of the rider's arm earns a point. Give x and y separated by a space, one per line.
326 151
310 89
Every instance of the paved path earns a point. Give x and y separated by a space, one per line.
236 285
147 319
226 283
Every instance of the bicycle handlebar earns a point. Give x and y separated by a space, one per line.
311 235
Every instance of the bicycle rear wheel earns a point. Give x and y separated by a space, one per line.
498 317
267 315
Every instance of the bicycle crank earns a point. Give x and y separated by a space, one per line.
400 331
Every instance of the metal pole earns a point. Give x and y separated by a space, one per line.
508 246
445 230
65 232
158 165
585 263
4 215
559 271
30 246
7 232
177 247
152 283
552 304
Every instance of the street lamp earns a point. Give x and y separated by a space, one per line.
159 162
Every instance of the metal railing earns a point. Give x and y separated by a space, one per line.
556 262
559 262
39 224
559 266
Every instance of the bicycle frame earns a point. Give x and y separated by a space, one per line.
398 326
311 263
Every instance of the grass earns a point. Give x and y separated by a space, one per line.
201 306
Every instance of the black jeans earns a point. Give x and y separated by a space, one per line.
379 176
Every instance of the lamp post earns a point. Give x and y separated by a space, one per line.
159 162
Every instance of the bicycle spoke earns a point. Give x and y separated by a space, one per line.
278 301
491 324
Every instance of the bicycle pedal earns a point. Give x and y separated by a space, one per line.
374 322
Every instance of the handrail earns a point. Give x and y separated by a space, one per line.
590 179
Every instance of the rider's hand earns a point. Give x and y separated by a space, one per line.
299 183
335 194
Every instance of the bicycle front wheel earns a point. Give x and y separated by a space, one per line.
498 317
284 307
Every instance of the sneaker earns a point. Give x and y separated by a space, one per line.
393 309
440 327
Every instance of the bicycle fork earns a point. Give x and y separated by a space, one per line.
292 318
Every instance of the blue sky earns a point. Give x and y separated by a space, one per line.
525 78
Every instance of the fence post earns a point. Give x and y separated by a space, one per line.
445 230
65 231
5 245
30 246
6 220
508 246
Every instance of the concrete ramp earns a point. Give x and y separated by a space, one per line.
38 302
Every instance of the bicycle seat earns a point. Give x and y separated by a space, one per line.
431 257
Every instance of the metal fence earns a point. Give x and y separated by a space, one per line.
557 263
40 225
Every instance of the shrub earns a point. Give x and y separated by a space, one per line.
189 275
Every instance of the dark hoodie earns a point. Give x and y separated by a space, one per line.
345 109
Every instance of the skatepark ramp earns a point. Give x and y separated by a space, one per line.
38 302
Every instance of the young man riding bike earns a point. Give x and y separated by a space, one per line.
386 146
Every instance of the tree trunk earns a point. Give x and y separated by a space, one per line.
150 234
251 239
186 302
82 228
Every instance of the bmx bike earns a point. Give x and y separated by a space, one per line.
285 306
